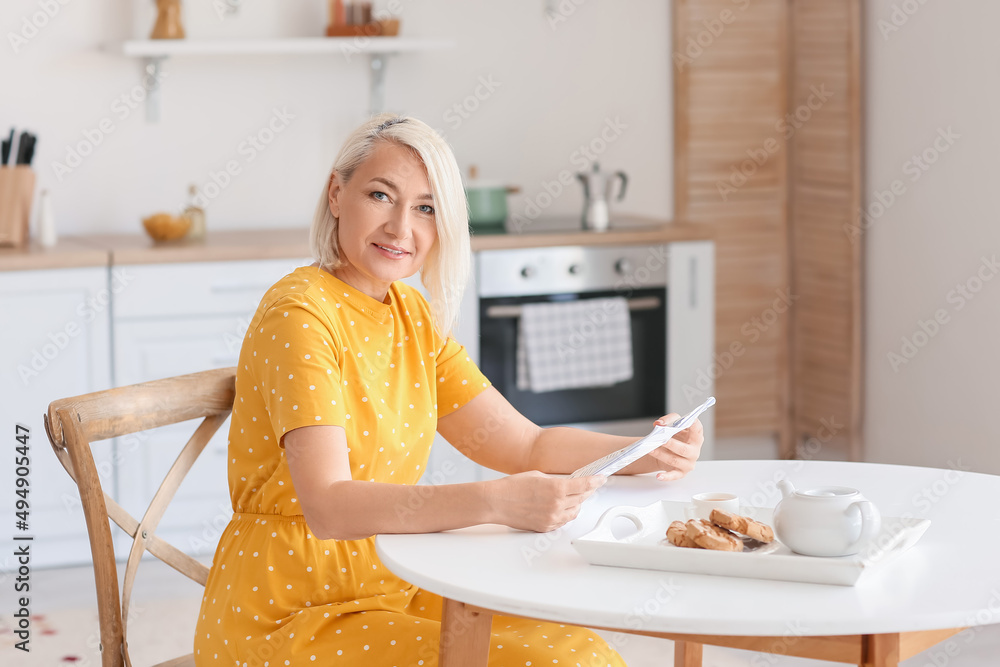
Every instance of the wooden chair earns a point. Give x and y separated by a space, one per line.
74 423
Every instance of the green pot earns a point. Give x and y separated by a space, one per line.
487 205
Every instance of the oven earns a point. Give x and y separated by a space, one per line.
668 289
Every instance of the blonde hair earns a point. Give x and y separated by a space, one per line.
446 269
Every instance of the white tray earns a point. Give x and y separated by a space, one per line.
648 548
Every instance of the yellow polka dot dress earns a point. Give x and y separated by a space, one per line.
319 352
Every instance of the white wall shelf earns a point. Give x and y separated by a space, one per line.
376 49
349 46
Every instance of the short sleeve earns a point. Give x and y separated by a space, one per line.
459 380
296 367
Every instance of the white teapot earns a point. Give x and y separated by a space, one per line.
825 521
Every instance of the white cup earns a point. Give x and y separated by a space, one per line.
702 504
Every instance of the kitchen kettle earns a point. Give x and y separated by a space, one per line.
597 190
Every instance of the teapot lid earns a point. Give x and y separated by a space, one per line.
827 492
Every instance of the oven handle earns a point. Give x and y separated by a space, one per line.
506 312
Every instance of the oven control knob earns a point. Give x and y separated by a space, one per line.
575 269
528 271
623 266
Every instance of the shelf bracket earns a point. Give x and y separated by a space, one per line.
152 71
376 90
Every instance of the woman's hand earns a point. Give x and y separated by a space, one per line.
677 456
539 502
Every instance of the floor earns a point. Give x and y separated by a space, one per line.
166 605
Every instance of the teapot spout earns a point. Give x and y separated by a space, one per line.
786 488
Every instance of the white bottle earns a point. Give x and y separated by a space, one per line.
46 223
196 214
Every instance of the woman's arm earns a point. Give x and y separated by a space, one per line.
492 433
337 507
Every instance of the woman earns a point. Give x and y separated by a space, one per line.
344 376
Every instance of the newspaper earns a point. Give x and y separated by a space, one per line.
615 461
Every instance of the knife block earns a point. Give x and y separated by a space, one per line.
17 190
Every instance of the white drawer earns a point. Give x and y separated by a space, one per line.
195 288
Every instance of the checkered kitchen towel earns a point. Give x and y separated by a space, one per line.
574 344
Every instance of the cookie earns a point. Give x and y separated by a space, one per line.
743 525
709 536
677 535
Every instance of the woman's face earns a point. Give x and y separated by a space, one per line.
386 219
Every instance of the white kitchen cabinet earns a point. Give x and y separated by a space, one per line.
691 332
55 344
175 319
193 289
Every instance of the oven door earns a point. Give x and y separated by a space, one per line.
642 397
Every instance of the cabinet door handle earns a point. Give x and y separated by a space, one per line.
508 312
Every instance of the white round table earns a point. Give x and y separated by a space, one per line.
949 580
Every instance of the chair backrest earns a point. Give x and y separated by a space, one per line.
73 424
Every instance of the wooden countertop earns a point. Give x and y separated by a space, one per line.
291 243
220 246
626 231
69 253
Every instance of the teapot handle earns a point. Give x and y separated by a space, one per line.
621 175
871 522
586 187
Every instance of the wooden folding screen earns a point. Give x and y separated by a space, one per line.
778 183
730 84
827 241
